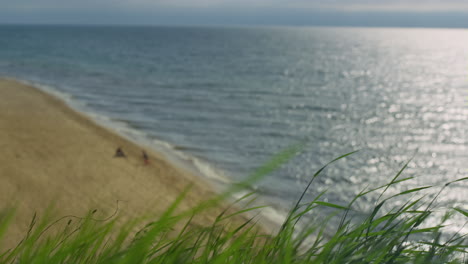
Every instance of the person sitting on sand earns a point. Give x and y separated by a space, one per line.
119 153
145 157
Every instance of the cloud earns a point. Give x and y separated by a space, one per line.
401 6
338 5
413 13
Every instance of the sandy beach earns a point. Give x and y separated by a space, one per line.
50 154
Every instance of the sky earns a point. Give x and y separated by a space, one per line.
391 13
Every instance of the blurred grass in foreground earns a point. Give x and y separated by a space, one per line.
398 235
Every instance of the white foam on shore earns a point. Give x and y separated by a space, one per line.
271 217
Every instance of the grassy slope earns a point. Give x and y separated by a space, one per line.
383 237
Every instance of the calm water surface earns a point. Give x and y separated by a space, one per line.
230 98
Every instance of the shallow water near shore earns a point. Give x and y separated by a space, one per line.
227 99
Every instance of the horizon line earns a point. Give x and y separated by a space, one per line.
202 25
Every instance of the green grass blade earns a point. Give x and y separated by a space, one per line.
331 205
465 213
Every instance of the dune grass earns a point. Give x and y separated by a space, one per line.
396 235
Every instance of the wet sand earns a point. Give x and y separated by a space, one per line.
50 154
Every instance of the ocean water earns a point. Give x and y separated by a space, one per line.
226 99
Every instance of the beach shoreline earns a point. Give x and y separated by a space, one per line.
166 150
54 155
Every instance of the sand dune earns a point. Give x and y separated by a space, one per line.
50 153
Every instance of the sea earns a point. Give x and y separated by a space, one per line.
229 101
